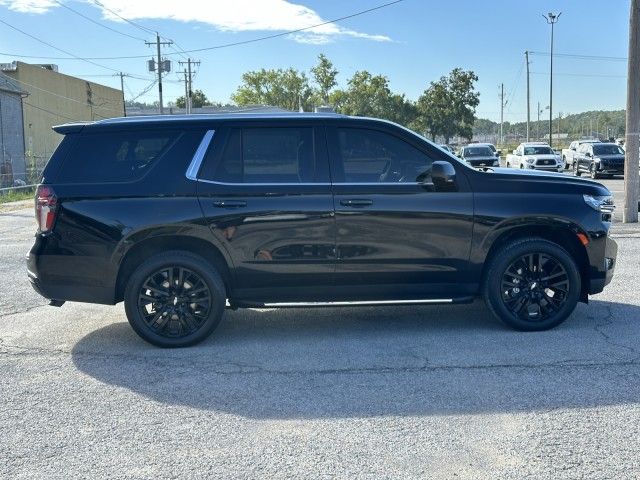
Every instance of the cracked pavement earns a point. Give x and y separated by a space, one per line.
412 391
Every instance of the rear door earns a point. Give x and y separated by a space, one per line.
266 195
398 237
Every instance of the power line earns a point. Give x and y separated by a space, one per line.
215 47
64 97
130 22
582 57
57 114
581 75
64 5
56 48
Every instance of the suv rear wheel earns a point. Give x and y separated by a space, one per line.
175 299
532 285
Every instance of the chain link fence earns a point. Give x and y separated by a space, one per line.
25 180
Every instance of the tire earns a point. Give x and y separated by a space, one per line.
592 171
501 293
521 166
176 319
576 169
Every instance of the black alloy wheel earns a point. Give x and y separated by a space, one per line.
175 299
534 287
532 284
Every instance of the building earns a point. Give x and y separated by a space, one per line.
55 98
12 164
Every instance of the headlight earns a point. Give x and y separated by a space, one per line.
597 160
530 160
496 163
600 203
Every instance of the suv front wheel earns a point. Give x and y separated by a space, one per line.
175 299
532 285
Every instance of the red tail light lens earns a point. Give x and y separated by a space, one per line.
46 208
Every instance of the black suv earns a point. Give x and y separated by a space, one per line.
599 160
180 217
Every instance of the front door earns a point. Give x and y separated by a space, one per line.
398 237
266 195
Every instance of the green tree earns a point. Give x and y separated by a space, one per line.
448 106
324 75
198 99
369 95
288 89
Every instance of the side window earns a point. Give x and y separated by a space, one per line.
265 155
370 156
114 156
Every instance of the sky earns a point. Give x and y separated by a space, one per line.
412 43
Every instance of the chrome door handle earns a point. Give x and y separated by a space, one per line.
356 202
230 203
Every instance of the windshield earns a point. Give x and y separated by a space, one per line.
541 150
478 152
607 149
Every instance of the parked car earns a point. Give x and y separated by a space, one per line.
569 154
447 148
181 216
599 160
479 156
493 148
535 156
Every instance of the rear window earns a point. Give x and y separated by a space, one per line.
114 156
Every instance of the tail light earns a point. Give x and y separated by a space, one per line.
46 208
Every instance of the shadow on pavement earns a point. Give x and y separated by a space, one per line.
358 362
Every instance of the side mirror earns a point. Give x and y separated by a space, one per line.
589 154
443 176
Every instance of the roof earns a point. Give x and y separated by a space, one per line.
217 116
195 119
8 84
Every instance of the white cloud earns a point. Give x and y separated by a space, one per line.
29 6
224 15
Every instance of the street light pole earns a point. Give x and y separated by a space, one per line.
551 19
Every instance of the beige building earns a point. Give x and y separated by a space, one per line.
55 98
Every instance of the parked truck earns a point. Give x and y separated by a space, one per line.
535 156
569 154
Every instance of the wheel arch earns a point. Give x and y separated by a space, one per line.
148 247
564 234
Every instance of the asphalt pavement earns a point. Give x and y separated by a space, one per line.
394 392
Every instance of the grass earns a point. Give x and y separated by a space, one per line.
16 195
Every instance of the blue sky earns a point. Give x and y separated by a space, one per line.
412 43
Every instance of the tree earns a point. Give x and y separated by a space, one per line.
198 99
288 89
448 106
370 96
325 77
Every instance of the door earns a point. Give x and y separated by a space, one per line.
266 195
398 237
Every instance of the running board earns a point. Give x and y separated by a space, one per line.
351 303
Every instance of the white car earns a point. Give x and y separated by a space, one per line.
535 156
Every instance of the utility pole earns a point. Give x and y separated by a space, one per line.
501 112
632 141
551 19
526 54
160 66
124 103
538 124
189 96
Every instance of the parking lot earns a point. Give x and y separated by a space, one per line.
416 391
